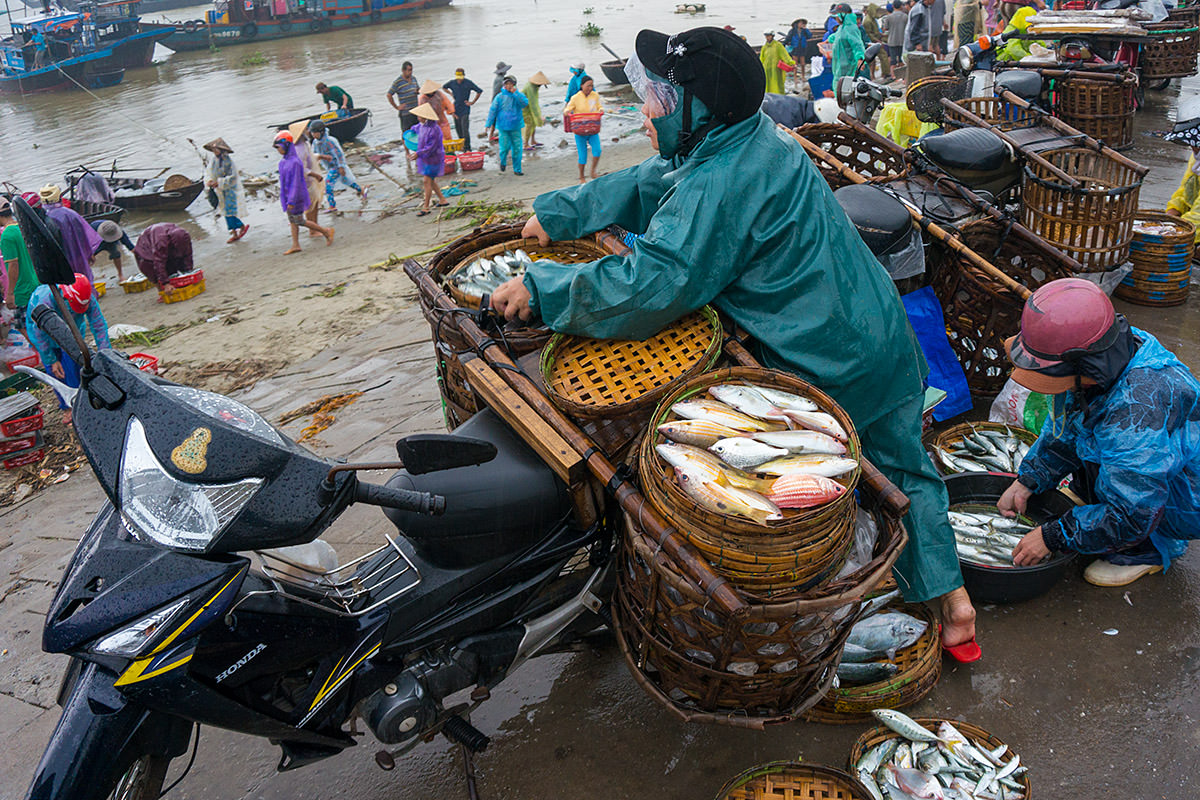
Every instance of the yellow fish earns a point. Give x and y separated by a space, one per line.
714 411
725 499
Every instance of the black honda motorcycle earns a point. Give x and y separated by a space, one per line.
195 596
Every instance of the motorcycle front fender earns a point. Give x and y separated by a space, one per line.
98 735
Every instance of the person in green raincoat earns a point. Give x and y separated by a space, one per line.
848 47
734 214
533 112
872 15
773 52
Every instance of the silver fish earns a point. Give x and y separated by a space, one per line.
903 725
876 604
748 401
868 672
824 465
891 631
878 755
786 400
745 453
803 441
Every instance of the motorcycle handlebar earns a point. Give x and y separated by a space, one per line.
433 505
53 326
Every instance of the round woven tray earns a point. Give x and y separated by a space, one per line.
606 378
920 668
791 780
777 558
579 251
947 438
881 733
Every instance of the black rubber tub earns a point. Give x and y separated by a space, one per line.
1009 584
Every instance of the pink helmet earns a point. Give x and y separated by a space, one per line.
1062 321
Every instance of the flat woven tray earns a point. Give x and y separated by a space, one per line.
791 780
595 378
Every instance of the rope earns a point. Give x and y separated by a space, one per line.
94 96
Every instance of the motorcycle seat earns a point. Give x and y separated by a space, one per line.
967 149
1024 83
492 509
882 221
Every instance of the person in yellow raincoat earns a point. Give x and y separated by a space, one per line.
1016 49
533 111
771 54
1184 203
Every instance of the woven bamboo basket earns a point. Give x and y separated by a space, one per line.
881 733
1171 51
980 311
1101 109
997 111
875 162
950 437
1093 222
599 378
459 399
791 780
920 668
1155 298
767 667
579 251
1187 17
777 558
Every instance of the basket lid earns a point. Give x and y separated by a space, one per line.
608 377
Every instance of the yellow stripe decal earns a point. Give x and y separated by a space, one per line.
175 634
328 687
134 673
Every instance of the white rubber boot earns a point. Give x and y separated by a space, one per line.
1104 573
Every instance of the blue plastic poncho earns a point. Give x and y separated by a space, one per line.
1142 440
848 47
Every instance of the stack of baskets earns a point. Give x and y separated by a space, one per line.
460 401
772 663
1091 222
1102 109
874 161
1161 253
184 287
980 311
1172 49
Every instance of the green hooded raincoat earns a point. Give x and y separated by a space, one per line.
745 222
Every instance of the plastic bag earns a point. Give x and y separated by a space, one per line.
1016 405
866 534
1109 279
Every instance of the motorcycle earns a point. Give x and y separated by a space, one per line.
858 95
201 595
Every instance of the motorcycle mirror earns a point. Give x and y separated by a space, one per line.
872 52
44 243
432 452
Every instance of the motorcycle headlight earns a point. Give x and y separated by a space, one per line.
132 640
964 59
157 507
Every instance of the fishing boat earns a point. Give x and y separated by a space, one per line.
233 22
94 212
343 129
615 71
139 192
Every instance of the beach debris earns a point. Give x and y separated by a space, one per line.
321 411
484 212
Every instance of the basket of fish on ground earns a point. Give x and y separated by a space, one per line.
766 666
520 339
980 311
792 780
771 506
1161 253
930 757
980 447
606 378
892 659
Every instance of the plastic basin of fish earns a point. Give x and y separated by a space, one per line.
1009 584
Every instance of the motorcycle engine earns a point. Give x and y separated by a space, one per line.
408 706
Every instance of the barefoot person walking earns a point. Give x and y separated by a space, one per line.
430 155
293 193
223 179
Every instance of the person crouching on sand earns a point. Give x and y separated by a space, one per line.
293 193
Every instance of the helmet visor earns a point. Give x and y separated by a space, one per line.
659 97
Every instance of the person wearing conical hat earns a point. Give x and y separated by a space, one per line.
533 111
430 155
222 178
437 100
462 88
498 81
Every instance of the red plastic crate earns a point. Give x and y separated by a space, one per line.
145 362
27 361
19 443
180 281
21 425
24 459
471 161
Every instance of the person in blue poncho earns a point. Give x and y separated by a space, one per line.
732 212
1125 425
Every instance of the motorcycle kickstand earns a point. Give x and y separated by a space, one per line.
469 771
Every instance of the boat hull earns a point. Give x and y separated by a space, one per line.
615 72
93 70
344 130
198 35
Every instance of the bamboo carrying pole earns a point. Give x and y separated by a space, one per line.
951 240
980 123
658 529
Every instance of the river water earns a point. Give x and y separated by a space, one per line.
146 121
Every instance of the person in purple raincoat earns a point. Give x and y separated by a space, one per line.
293 193
430 155
79 240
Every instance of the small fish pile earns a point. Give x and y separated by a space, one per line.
936 766
483 275
985 450
1148 228
985 536
870 651
766 450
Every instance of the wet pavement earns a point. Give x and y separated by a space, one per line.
1097 690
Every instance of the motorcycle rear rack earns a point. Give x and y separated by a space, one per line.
344 586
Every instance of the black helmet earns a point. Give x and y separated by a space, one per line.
316 126
715 65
